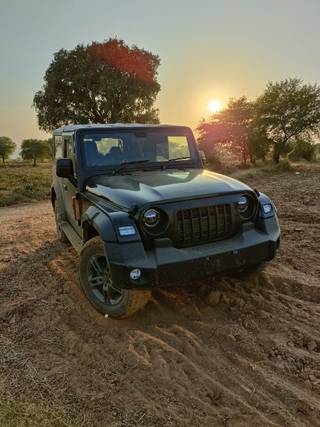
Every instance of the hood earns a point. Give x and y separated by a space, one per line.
142 187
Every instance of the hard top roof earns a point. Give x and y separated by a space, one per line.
72 128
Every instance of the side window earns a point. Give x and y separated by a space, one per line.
58 147
68 147
69 150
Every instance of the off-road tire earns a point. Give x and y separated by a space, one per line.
131 301
59 218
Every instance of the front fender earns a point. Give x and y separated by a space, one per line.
107 224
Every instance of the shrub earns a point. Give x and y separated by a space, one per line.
302 150
284 165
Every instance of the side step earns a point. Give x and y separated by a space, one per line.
73 237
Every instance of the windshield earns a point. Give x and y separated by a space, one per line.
112 149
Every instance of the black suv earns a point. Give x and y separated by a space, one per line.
137 205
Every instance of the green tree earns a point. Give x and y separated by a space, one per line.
286 110
259 143
99 83
7 147
35 149
230 128
302 149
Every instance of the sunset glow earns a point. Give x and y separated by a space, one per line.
214 105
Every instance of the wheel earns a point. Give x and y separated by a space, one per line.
59 217
245 272
96 283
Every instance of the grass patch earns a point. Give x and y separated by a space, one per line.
15 413
22 183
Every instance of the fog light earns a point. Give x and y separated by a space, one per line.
135 274
267 208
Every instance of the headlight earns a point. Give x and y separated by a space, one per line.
247 207
151 218
243 204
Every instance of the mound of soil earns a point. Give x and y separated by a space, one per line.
225 352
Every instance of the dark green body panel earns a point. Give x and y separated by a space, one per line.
147 187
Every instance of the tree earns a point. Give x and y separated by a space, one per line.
99 83
7 147
231 128
286 110
35 149
259 144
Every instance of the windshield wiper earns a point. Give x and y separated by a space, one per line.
180 158
130 162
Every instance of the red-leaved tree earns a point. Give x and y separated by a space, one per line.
104 82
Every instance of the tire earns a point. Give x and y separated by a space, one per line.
245 272
96 283
59 217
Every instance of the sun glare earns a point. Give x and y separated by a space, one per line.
214 105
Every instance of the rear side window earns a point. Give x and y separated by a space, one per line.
58 147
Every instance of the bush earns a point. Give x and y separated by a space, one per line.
284 165
302 150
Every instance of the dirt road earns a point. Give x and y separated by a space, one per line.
225 353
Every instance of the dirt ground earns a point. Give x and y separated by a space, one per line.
220 353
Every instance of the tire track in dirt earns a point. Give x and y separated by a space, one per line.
223 352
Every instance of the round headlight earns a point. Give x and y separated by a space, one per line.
151 218
243 204
247 207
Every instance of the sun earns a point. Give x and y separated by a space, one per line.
214 105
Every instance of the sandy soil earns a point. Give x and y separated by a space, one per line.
225 353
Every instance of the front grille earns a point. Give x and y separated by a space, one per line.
204 224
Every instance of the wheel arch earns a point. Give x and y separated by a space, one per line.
96 223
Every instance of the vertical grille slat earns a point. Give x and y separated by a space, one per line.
203 224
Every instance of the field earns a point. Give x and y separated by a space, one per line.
21 183
216 353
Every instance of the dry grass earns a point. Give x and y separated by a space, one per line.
20 182
15 413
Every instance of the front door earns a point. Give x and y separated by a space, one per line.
69 188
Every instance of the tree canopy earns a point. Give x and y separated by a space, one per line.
286 112
99 83
230 127
35 149
7 147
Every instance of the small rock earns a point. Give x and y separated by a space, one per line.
290 344
312 378
311 345
214 297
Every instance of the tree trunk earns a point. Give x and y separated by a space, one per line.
244 158
252 159
3 160
34 161
276 154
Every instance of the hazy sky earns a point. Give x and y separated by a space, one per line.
208 48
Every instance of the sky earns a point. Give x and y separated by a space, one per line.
209 49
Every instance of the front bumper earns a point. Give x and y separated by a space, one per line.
165 265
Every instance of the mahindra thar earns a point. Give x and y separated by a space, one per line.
139 208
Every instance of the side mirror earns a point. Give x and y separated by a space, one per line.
203 156
64 168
